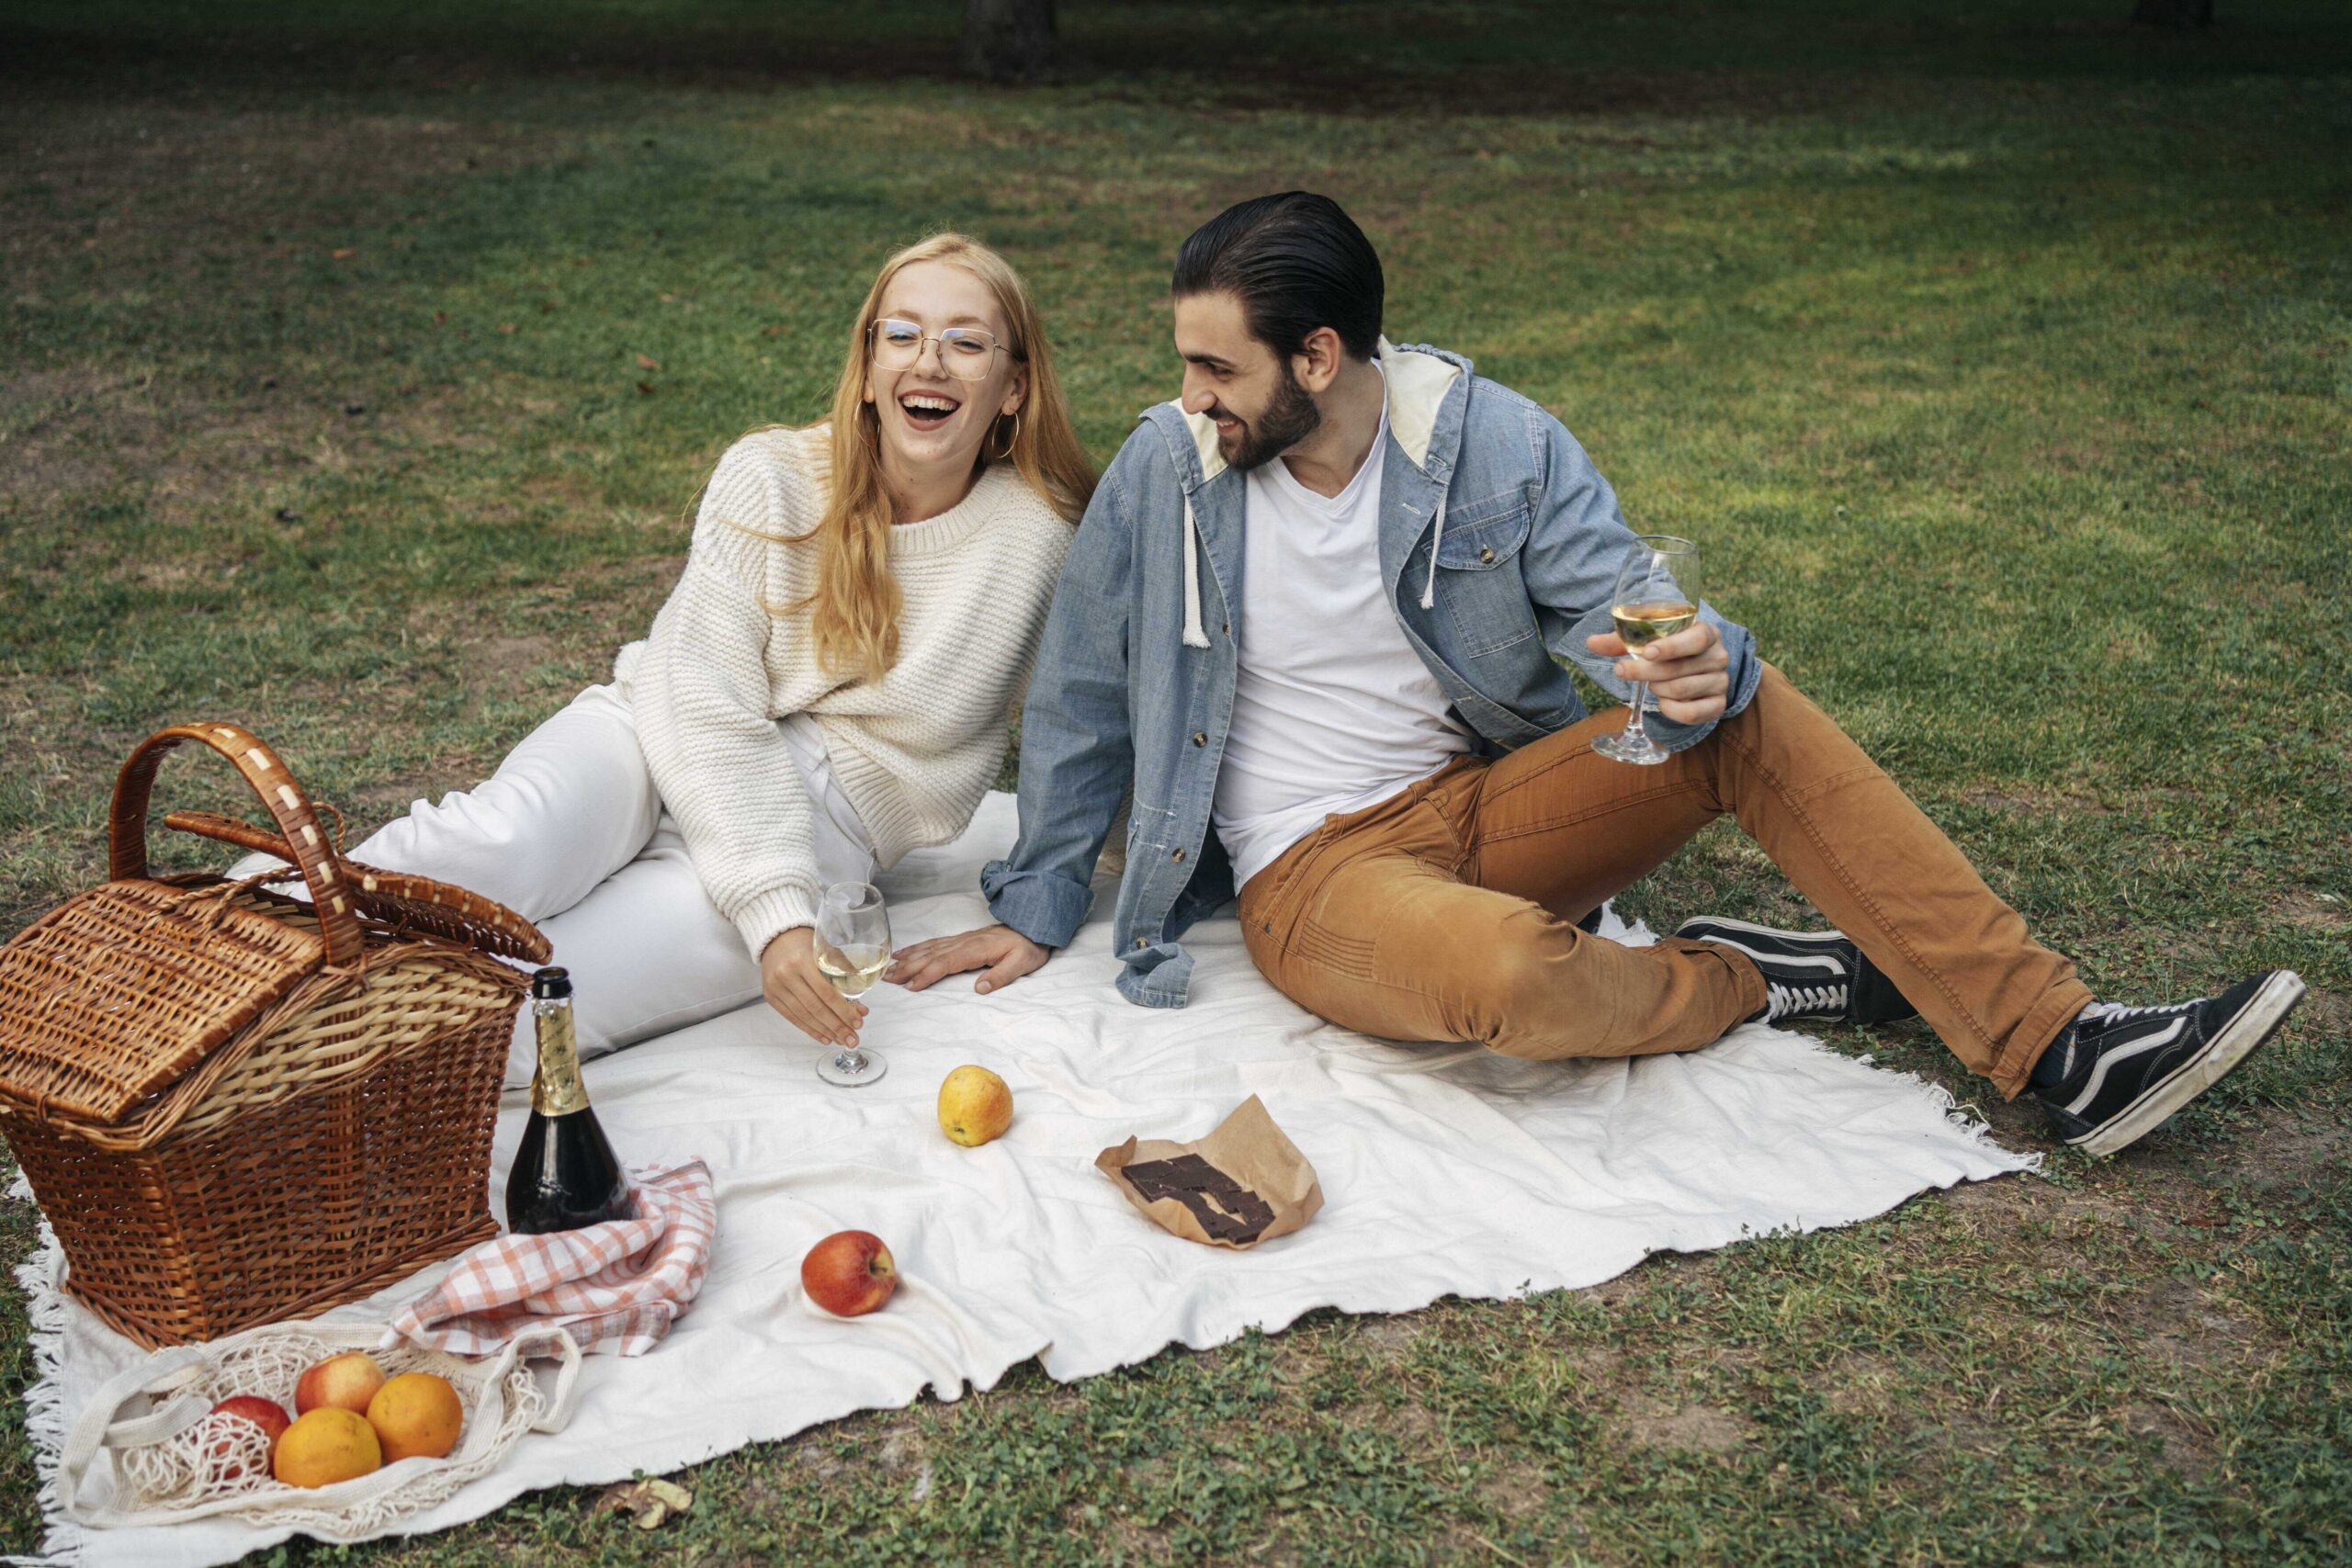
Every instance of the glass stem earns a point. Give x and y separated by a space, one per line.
1635 727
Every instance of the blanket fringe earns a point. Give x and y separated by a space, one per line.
1964 1119
46 1309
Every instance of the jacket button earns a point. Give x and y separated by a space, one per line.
1487 554
1200 738
1178 856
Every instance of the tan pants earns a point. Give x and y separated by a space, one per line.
1447 912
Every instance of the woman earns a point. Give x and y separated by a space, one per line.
827 688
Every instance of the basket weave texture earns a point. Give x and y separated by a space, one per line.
235 1107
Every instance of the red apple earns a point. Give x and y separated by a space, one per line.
849 1273
346 1382
266 1414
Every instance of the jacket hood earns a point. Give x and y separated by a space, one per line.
1426 391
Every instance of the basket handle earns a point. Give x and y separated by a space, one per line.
478 921
288 807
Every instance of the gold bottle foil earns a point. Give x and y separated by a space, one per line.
556 1089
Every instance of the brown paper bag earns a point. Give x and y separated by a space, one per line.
1243 1184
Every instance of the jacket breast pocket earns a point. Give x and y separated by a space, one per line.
1478 584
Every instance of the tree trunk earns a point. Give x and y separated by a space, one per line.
2154 13
1009 41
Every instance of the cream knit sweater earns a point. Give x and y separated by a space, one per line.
913 752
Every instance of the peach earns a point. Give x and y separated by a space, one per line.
849 1273
347 1382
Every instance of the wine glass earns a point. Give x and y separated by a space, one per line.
852 949
1657 595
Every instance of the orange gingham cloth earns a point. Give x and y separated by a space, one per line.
625 1280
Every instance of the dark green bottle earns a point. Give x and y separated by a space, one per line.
565 1176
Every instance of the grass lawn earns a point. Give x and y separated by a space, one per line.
357 359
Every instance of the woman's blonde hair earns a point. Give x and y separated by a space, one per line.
854 606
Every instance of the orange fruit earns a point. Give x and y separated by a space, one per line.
324 1446
417 1413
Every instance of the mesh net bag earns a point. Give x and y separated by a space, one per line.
149 1450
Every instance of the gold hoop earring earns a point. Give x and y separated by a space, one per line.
1010 442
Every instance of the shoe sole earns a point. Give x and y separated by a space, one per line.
2251 1026
1783 934
1819 939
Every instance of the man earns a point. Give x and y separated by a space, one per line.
1310 620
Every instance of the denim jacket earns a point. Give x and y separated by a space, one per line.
1135 679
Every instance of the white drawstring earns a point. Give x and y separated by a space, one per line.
1195 637
1428 588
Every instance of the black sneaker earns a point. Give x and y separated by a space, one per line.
1809 975
2119 1071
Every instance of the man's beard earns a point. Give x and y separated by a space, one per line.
1290 418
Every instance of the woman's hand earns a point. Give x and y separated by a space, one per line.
796 987
1004 953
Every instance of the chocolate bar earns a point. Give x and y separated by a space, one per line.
1225 1209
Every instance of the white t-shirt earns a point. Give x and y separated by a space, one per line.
1333 711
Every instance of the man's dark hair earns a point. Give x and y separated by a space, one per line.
1297 261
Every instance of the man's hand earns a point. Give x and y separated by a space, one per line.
1687 674
796 987
1004 953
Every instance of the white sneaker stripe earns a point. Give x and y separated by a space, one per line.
2137 1048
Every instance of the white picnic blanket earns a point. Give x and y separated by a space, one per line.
1446 1171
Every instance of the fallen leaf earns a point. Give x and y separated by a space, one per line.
440 318
770 332
647 362
507 326
343 254
647 1503
646 387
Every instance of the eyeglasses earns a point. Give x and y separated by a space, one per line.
963 351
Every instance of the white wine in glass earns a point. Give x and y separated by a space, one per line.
1657 595
853 970
852 949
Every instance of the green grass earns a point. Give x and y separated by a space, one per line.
2003 360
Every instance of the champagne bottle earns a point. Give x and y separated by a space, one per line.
565 1176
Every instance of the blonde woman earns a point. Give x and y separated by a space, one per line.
826 689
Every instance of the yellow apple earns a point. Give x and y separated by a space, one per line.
974 1106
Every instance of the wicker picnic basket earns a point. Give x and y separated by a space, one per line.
236 1108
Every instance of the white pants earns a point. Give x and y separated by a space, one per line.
571 834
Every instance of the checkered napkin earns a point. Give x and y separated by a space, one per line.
625 1280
